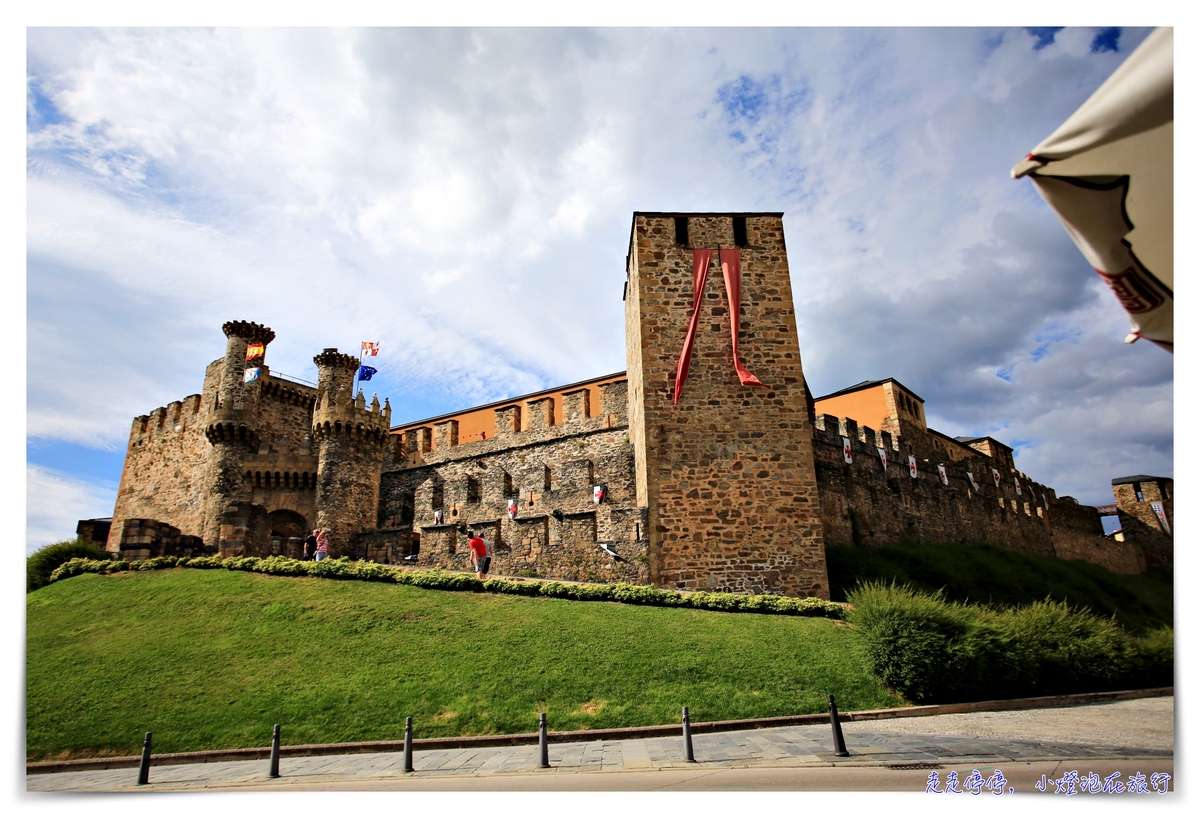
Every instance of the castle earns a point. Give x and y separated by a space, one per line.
706 465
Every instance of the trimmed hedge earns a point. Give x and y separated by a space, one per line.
439 579
41 563
934 651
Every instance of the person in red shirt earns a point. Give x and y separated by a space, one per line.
479 555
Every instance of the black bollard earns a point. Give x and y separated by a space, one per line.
144 768
274 772
408 767
543 743
839 741
687 737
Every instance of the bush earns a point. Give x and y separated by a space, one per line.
41 563
931 650
442 580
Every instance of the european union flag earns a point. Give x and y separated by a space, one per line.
365 372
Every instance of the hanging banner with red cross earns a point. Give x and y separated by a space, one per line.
846 450
912 467
1017 483
882 456
942 475
512 508
971 478
996 477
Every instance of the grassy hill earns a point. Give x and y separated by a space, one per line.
985 573
211 659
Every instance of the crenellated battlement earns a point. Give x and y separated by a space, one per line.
166 422
336 414
248 331
515 426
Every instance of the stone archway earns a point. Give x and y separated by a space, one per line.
286 523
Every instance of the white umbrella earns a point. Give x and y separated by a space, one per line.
1107 173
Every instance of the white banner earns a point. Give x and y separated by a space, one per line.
1107 172
942 474
1161 514
882 456
971 477
912 467
846 450
996 477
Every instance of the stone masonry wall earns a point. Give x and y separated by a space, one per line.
862 503
550 471
164 473
728 474
168 461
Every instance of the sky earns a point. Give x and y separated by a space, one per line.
463 196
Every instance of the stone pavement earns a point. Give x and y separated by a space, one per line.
1139 730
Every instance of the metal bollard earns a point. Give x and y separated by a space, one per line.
144 768
687 737
839 741
408 767
543 743
274 772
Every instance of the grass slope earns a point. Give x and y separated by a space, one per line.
985 573
211 659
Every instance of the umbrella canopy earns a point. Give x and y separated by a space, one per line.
1108 174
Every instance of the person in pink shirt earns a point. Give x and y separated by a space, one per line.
322 535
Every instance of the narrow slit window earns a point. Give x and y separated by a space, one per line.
739 231
681 230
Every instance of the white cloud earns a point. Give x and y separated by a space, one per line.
463 196
56 502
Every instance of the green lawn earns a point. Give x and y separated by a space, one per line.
211 659
985 573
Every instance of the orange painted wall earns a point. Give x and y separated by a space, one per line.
473 422
867 406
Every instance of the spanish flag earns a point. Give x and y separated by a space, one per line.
255 351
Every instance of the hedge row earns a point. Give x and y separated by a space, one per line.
343 568
934 651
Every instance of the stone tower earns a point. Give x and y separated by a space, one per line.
350 437
727 471
229 521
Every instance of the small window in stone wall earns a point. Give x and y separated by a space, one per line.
681 230
435 497
472 490
1137 489
547 479
739 231
591 474
508 485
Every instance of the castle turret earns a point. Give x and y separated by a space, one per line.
350 437
233 433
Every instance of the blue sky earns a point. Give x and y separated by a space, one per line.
463 196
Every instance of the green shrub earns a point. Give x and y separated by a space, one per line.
932 650
41 563
443 580
205 562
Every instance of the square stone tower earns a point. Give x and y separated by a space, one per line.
727 471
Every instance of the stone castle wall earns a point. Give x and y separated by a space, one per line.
168 462
165 468
727 476
549 469
862 503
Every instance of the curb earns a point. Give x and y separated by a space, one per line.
612 734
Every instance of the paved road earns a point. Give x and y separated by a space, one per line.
891 754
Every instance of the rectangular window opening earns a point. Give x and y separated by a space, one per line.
681 230
739 231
